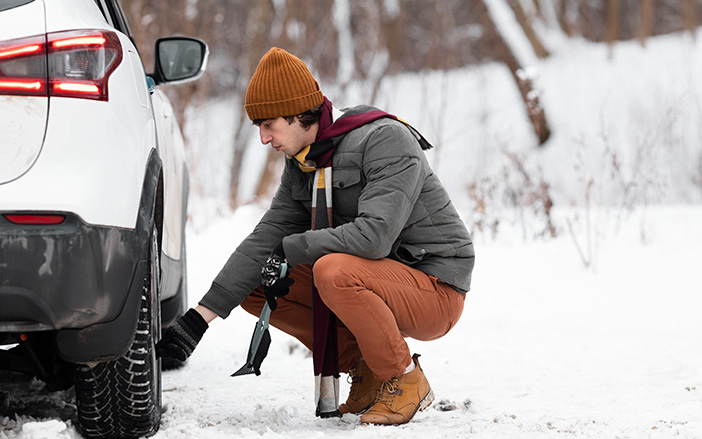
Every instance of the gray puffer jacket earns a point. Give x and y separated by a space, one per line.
387 203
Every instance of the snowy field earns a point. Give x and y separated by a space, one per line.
545 349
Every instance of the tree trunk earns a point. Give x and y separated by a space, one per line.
645 20
690 12
536 113
612 24
240 143
524 21
565 16
269 174
537 6
258 29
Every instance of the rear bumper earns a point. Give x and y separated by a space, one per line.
62 276
81 280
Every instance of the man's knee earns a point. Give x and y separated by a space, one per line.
333 271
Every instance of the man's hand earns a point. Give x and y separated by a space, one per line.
274 277
182 337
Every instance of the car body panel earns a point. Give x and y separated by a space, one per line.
30 17
57 181
21 133
72 14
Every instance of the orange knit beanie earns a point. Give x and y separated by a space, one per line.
282 85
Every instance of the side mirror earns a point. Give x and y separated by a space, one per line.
179 59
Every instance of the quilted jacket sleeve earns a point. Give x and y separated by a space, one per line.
242 272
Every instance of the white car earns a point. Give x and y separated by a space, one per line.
93 197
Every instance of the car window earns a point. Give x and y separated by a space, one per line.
118 20
114 16
112 12
123 19
103 8
9 4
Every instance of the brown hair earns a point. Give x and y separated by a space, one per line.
307 119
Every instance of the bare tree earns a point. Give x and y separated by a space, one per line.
258 31
567 14
645 20
612 24
690 11
506 54
526 24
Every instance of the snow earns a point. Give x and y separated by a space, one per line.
547 347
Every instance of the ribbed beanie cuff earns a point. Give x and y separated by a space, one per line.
282 85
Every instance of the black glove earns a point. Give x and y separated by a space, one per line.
274 277
182 337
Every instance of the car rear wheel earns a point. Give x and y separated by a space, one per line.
122 398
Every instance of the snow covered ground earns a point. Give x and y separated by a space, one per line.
546 348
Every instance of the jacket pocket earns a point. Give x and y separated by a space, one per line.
347 186
409 254
343 178
302 189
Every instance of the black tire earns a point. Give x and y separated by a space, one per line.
122 398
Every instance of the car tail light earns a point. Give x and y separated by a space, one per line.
80 63
75 64
34 219
23 67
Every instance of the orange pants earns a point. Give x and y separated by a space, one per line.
377 302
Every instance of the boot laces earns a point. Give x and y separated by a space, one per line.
388 391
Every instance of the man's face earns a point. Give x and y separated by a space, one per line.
285 137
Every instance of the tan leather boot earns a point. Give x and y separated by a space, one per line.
400 398
364 389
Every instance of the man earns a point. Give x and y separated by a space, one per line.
378 239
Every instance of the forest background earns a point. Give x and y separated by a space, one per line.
357 47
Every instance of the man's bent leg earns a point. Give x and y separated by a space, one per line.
381 302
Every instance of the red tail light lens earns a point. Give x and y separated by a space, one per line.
44 220
74 64
23 67
80 63
29 48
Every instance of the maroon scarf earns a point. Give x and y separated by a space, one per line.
330 133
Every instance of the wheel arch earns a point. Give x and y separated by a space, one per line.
111 340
